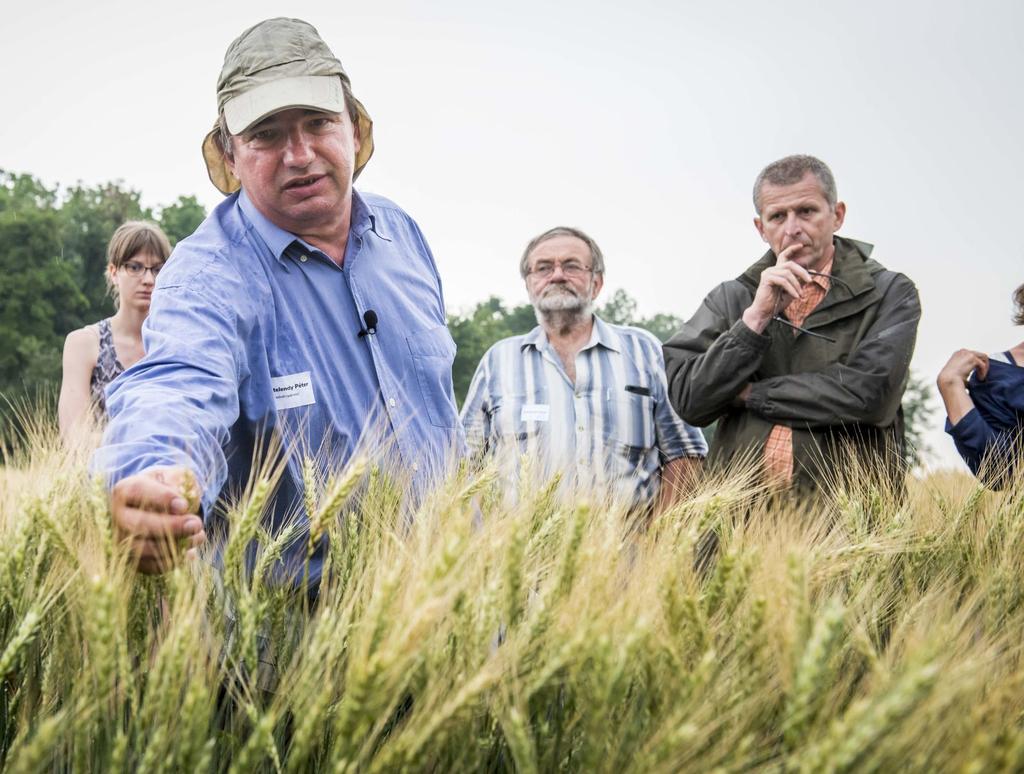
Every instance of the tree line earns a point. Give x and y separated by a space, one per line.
53 258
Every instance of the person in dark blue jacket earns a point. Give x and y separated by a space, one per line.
984 397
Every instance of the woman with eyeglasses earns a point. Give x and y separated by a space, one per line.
984 397
96 354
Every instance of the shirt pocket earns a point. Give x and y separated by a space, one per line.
433 352
631 433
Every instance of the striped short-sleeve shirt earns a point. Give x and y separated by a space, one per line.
613 428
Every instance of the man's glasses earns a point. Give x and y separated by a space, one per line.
544 269
136 269
779 318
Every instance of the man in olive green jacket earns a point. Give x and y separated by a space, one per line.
803 359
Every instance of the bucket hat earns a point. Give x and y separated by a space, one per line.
276 65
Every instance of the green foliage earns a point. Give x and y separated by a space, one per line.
53 258
23 193
622 309
475 332
42 299
918 412
89 216
180 219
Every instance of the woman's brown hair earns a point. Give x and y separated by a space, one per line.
134 237
131 238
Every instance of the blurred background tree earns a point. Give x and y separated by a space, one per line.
180 219
918 413
53 258
479 328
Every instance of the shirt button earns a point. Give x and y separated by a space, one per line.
580 428
392 402
304 258
415 467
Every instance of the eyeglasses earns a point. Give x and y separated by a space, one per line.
136 269
779 318
544 269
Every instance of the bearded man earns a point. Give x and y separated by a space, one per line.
580 396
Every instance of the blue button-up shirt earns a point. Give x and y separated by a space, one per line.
253 334
610 430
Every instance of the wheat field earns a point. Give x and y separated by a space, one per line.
538 633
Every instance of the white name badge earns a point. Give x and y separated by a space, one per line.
535 412
292 391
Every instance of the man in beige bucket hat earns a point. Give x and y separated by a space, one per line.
301 313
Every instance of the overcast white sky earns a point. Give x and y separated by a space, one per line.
644 123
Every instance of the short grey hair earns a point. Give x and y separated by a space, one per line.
791 170
596 256
223 135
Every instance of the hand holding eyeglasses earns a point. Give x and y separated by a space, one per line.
780 286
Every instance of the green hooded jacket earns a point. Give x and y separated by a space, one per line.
833 395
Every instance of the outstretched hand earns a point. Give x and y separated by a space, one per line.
152 511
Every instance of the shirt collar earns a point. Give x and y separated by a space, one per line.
535 338
363 219
278 240
602 333
826 270
274 237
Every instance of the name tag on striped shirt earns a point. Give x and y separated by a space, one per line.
292 391
535 412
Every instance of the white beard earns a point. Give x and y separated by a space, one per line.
562 306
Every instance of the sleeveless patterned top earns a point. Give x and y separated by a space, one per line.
108 367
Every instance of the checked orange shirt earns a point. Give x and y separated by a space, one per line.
778 449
